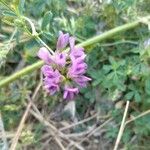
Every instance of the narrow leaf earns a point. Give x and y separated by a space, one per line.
46 20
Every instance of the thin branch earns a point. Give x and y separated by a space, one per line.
40 117
100 127
21 125
78 123
81 134
53 130
121 127
35 34
2 131
93 131
19 130
137 117
120 42
59 143
21 73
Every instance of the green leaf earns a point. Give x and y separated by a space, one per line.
137 97
21 6
46 20
147 86
129 95
9 13
112 60
48 35
107 68
126 136
3 53
96 82
31 49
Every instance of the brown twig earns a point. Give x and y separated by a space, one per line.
19 130
95 130
81 134
83 121
121 127
3 133
137 117
39 116
100 127
53 130
23 119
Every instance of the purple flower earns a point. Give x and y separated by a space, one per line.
82 80
77 56
47 70
77 69
70 92
60 58
72 42
52 79
76 73
44 55
51 74
76 52
64 68
62 40
51 87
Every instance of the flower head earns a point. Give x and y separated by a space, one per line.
64 69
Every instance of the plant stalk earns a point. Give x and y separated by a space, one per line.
21 73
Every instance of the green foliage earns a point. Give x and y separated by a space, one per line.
46 20
119 67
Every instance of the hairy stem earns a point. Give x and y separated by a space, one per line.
35 34
109 34
86 43
21 73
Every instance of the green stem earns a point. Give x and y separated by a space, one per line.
21 73
35 34
109 33
88 42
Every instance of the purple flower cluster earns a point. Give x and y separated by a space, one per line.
65 69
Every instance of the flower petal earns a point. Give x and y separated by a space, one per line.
72 42
70 92
60 59
47 70
44 55
63 40
82 80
